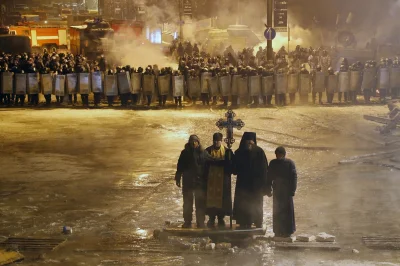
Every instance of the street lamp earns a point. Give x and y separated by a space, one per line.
269 24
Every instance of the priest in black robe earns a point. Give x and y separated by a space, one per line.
282 180
250 166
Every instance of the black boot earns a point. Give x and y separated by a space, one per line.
110 100
225 98
148 100
211 222
187 225
48 99
221 222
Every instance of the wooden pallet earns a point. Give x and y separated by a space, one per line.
382 242
308 245
32 244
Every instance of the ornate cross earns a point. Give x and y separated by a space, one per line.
230 124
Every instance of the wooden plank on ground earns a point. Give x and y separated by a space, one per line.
382 242
308 245
377 119
196 232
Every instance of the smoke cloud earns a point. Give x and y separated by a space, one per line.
136 51
312 22
161 11
130 49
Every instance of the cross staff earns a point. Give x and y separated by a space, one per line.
230 124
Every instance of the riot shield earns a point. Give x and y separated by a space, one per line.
255 86
124 82
194 87
33 83
267 85
344 81
149 85
7 82
225 85
59 85
164 84
136 82
305 84
214 86
20 84
235 85
203 82
243 86
281 83
178 86
384 78
84 83
110 85
332 84
293 83
395 77
97 82
319 82
46 84
355 80
72 83
369 79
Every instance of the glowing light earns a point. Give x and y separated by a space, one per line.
141 233
143 176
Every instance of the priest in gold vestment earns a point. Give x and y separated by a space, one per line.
218 179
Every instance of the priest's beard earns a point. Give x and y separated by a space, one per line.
248 147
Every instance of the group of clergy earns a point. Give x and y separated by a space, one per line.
206 180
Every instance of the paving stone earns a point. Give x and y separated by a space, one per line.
305 238
210 246
324 237
223 246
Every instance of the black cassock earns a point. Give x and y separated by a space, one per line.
251 184
282 178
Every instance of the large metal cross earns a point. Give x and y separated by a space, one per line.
230 124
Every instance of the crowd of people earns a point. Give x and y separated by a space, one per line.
230 78
250 57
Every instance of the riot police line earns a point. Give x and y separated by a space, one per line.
237 87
